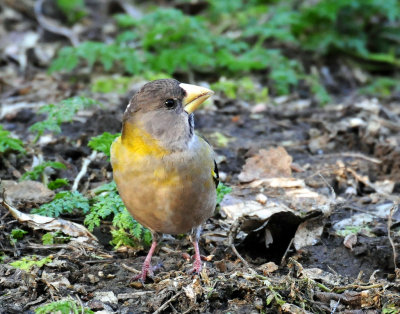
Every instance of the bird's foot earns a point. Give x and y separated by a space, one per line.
197 267
147 271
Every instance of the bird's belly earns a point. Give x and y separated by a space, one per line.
167 199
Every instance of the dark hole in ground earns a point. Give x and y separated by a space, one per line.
280 228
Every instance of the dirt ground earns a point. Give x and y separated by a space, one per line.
312 224
319 278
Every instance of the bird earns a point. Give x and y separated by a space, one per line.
165 173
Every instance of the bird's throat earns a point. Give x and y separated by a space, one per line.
140 142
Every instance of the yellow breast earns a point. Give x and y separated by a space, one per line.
133 145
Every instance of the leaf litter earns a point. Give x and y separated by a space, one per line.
311 225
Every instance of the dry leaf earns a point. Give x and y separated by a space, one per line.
275 162
27 192
350 240
51 224
308 233
268 268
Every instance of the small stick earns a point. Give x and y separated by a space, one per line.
286 252
231 235
86 162
81 304
351 155
365 181
389 226
133 270
162 307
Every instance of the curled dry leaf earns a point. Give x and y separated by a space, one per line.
51 224
308 233
268 268
350 240
275 162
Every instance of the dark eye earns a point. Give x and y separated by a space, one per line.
170 103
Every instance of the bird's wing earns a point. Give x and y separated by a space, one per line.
215 174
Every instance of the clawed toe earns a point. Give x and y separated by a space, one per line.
147 271
197 267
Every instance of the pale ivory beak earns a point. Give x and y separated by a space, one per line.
195 96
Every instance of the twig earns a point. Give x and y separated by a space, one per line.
389 124
361 156
365 181
389 226
131 10
239 256
231 236
49 26
361 287
80 302
189 310
287 251
86 162
133 270
162 307
351 155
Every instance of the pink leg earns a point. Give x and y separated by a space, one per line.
194 237
197 266
146 268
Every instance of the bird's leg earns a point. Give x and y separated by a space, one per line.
146 267
194 237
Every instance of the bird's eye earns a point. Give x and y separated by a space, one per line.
170 103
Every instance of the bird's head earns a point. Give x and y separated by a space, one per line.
163 109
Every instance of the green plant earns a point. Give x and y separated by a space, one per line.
390 309
3 257
27 263
350 26
237 38
317 89
67 306
8 143
222 190
63 202
104 205
107 203
57 183
17 234
382 86
116 84
185 45
38 170
74 10
110 56
244 88
60 113
103 142
54 237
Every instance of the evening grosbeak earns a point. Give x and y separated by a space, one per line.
166 174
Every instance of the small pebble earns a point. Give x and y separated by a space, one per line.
261 198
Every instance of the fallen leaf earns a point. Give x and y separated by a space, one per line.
308 233
268 268
51 224
271 163
106 297
350 240
27 192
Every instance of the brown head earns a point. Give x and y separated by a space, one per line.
164 110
